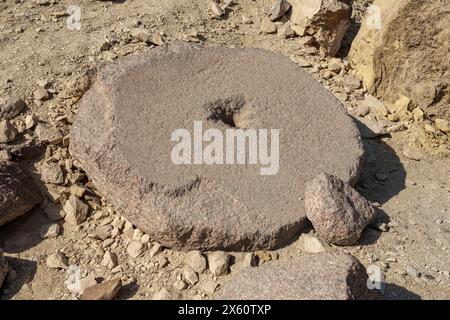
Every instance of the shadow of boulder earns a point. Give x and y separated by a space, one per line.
20 273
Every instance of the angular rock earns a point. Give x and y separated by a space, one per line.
109 260
136 248
443 125
18 194
218 262
400 51
196 261
338 212
30 121
242 261
147 36
50 231
322 276
49 134
11 107
3 269
310 244
208 207
51 172
156 248
215 9
102 291
8 132
279 9
374 105
190 275
76 211
268 26
57 261
179 285
76 86
326 20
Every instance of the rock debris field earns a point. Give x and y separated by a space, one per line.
350 199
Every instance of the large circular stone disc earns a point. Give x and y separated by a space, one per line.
122 138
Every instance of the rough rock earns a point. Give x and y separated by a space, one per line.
30 121
207 207
196 261
374 105
190 275
334 276
268 26
76 86
400 49
11 107
279 9
57 261
8 132
50 231
136 248
51 172
76 211
242 261
338 212
3 269
109 260
443 125
102 291
326 20
155 249
218 262
179 285
18 194
310 244
49 134
147 36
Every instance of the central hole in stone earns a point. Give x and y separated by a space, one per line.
225 110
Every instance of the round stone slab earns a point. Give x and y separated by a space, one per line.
319 276
122 138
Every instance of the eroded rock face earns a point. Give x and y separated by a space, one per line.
326 20
338 212
124 125
320 276
402 50
18 194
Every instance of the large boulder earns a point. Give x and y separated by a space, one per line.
122 138
319 276
18 194
402 51
326 20
338 212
